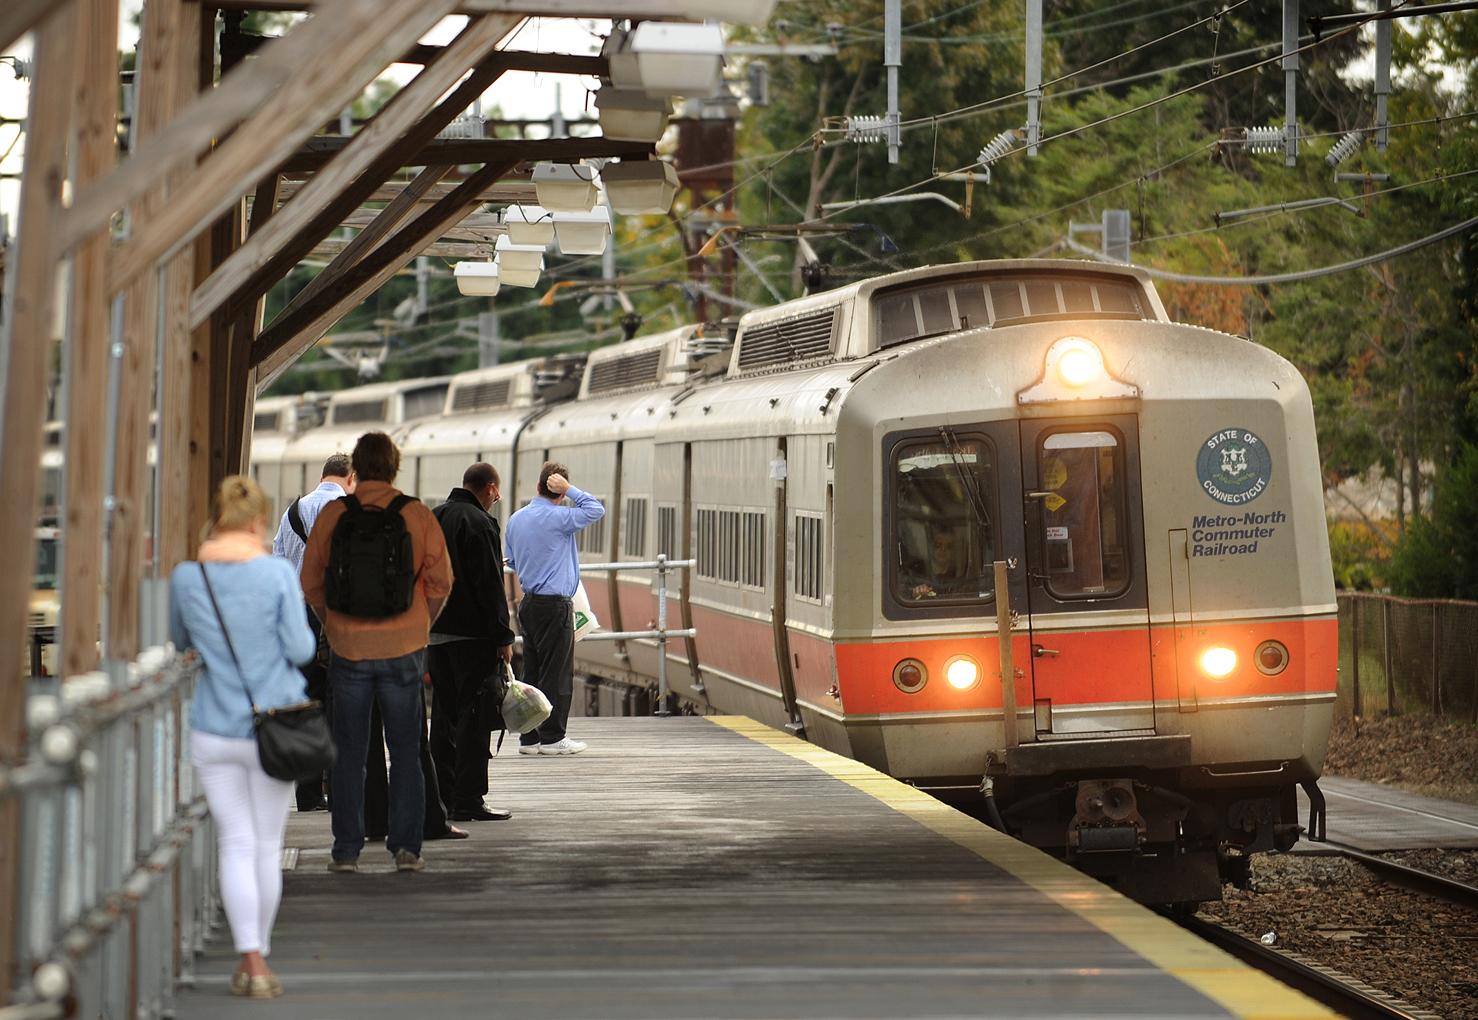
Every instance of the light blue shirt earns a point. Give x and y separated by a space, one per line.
263 605
540 542
287 544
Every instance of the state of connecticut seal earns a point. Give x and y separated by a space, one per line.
1234 467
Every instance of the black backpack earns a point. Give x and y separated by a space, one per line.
371 561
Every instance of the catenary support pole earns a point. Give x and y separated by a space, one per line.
1382 76
1033 81
892 60
1290 81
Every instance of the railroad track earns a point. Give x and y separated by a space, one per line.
1403 875
1341 994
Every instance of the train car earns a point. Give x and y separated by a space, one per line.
848 476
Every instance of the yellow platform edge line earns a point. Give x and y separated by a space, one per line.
1216 974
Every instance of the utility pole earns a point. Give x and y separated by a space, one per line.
487 335
1290 81
557 128
1033 75
1382 76
893 59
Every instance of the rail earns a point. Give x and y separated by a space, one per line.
116 872
661 565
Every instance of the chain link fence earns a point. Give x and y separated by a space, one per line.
1407 655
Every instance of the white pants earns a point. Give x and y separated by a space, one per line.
250 812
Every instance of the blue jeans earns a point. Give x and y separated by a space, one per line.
396 685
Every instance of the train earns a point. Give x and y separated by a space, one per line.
848 471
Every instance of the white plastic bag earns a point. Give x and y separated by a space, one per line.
524 706
585 620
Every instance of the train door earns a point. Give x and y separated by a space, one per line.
1086 593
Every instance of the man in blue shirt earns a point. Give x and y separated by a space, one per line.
290 543
541 549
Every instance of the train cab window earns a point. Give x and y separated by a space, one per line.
943 541
1084 514
44 577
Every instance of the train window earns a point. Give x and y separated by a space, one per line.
943 542
956 305
707 522
1041 297
592 537
1085 520
808 557
635 525
1077 296
667 531
1006 296
44 577
754 549
729 545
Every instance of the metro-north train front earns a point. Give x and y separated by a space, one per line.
1154 490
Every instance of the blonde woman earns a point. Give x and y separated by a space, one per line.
241 609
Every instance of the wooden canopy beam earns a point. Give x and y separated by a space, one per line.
667 9
332 212
515 188
17 17
289 335
381 135
320 149
518 60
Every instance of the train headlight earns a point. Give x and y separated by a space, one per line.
910 676
1218 663
1271 658
1075 367
962 672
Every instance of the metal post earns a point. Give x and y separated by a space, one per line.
110 470
662 634
892 60
1437 658
1008 667
487 336
1290 81
1033 75
1386 650
1355 652
1382 75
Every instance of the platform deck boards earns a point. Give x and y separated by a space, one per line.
1376 818
678 869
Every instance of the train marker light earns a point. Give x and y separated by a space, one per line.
1271 658
1076 366
910 676
962 672
1218 663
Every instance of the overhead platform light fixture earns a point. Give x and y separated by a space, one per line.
519 256
583 233
477 279
520 277
630 115
565 187
529 224
736 12
678 58
640 188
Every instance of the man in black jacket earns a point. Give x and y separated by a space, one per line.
469 640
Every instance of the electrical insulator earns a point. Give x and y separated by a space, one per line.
998 147
1345 148
1265 139
866 129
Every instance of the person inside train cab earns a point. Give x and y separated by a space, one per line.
292 539
541 549
376 573
239 609
469 640
945 572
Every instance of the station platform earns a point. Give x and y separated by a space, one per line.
715 868
1376 818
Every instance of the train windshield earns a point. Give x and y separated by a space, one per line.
44 576
1084 477
945 542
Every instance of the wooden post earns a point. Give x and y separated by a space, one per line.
1355 652
95 114
1386 650
165 30
1437 658
25 409
1008 666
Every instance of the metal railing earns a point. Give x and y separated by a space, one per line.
661 565
1398 656
116 885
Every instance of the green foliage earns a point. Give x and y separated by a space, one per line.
1439 556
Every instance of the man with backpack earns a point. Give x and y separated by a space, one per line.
471 645
376 573
292 538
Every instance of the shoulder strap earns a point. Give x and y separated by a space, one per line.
351 503
398 502
227 635
295 519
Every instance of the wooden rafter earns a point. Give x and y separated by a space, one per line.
17 17
318 151
385 133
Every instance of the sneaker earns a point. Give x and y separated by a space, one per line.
407 861
347 867
528 748
565 746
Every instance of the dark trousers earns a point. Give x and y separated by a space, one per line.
358 686
549 660
459 736
377 789
310 791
